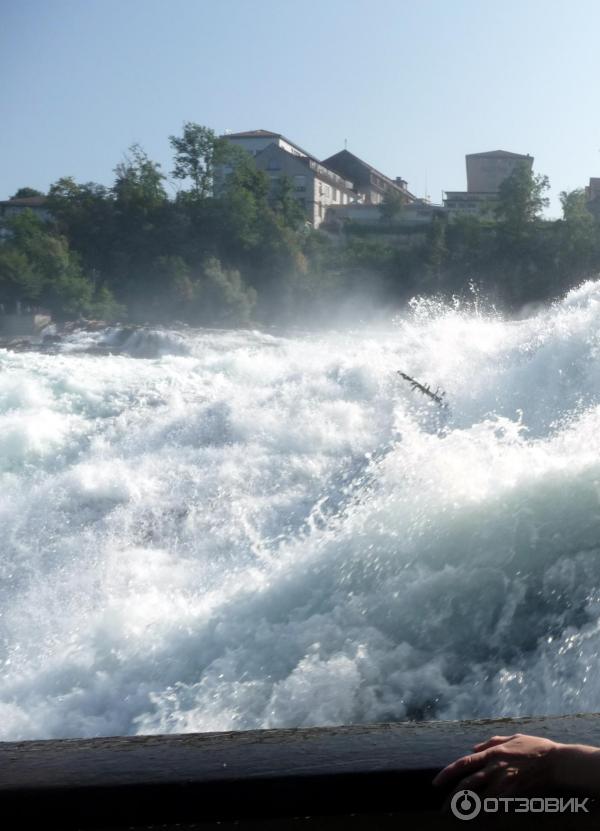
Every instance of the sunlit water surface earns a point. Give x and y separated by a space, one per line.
256 531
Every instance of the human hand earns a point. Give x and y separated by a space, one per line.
505 765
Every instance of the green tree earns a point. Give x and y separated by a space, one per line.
103 305
435 253
223 296
19 282
26 193
391 207
139 182
198 151
38 267
140 208
245 176
286 205
574 207
169 290
579 239
521 199
85 214
244 208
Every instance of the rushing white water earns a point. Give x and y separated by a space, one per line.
254 531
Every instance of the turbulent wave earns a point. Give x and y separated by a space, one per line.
242 530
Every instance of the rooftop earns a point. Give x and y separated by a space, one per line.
502 154
24 202
267 134
314 164
255 134
372 169
472 194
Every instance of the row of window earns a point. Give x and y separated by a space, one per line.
325 190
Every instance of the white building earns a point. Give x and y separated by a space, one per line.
315 186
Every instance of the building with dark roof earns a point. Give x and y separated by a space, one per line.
370 185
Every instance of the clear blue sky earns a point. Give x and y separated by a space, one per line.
412 86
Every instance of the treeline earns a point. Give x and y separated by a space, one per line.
516 258
234 251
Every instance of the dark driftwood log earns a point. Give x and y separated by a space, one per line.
262 779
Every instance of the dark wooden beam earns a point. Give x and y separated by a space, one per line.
262 778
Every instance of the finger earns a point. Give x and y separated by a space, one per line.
459 769
492 742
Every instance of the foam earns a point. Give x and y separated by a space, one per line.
245 530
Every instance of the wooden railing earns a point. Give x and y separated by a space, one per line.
375 777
